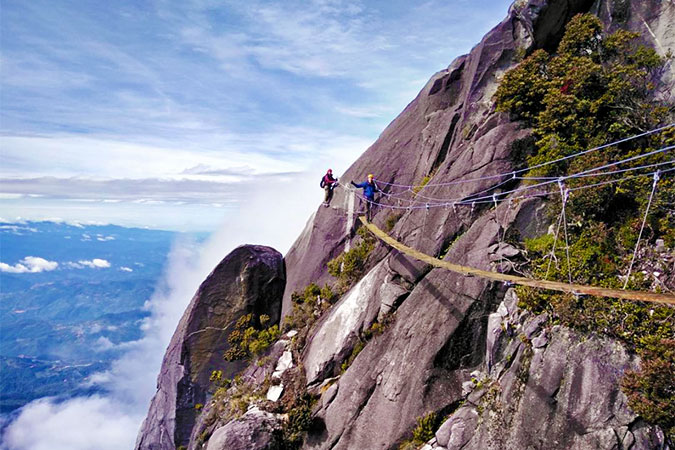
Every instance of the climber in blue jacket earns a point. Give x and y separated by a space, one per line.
369 189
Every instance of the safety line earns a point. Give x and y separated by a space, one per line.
568 177
564 158
555 242
564 195
488 198
644 220
471 202
540 284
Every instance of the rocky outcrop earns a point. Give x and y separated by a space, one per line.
455 345
226 428
421 361
442 335
255 430
552 388
373 296
249 280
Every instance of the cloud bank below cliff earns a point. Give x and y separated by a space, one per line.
274 215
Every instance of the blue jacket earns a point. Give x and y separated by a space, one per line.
368 189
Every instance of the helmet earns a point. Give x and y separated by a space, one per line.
329 171
370 175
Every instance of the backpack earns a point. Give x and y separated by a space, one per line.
323 182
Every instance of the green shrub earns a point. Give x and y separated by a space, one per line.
308 306
599 88
299 422
426 427
355 352
247 341
651 390
350 266
419 187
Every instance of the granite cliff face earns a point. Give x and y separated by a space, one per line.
456 345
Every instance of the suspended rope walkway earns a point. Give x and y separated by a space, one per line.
570 288
417 201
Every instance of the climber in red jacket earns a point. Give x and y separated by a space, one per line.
328 183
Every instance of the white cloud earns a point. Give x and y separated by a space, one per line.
10 196
82 423
105 238
30 264
17 229
126 269
102 344
95 263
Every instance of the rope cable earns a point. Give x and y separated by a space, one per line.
644 220
488 199
513 173
555 242
564 195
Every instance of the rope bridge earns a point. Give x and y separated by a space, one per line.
540 284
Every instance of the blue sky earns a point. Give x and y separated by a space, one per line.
174 114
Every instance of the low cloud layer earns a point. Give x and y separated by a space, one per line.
82 423
30 264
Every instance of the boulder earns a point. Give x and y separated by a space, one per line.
249 280
255 430
455 432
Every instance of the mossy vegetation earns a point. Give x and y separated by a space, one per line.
299 422
232 399
600 88
308 305
426 427
391 221
423 432
419 187
651 390
350 266
250 338
360 345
